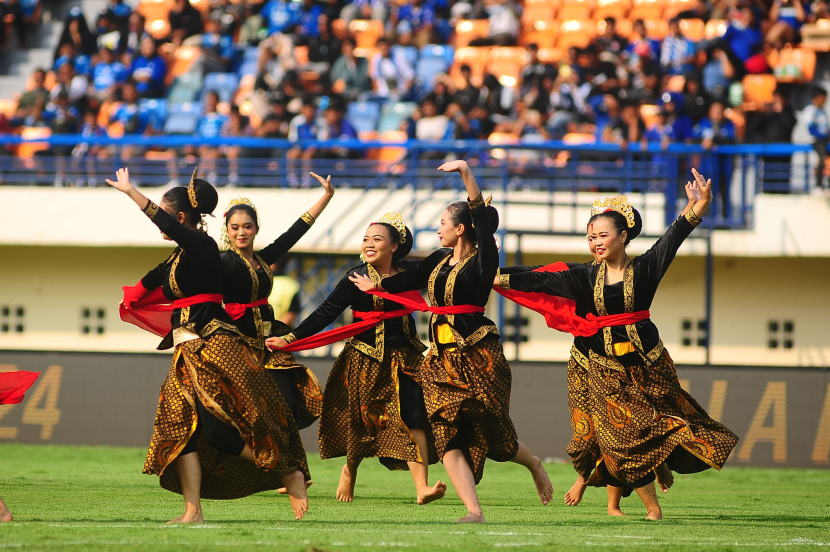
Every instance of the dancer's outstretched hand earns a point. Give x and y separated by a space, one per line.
275 342
122 181
459 166
693 193
705 187
363 283
326 183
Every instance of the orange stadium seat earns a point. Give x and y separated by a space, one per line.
339 28
656 29
575 9
8 107
476 58
107 112
623 27
183 59
576 33
692 29
539 10
816 36
542 33
649 114
550 55
366 32
499 138
618 9
389 155
675 7
758 89
647 9
715 28
470 29
155 9
202 5
32 133
803 59
158 28
506 63
676 83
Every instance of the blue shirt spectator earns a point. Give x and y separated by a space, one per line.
83 64
134 120
715 129
281 16
119 9
149 70
220 45
744 34
61 117
28 7
818 123
108 72
309 22
414 16
210 125
677 53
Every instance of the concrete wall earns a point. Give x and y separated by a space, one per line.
781 415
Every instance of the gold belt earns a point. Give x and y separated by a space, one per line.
623 348
444 336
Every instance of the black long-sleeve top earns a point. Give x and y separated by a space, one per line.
585 284
468 282
395 332
194 268
244 284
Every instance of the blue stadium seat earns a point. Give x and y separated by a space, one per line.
409 52
225 84
393 114
157 109
186 88
447 53
427 69
250 62
183 118
363 115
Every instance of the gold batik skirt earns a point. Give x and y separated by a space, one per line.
642 418
468 402
228 378
309 395
361 409
583 448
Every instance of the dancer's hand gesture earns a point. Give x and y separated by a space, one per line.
459 166
693 193
122 181
276 342
363 283
704 186
325 183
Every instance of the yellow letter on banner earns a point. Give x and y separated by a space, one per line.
47 391
717 398
821 448
775 399
7 432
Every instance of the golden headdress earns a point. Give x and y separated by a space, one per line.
191 191
395 220
226 241
618 204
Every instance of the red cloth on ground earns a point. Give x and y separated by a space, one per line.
13 385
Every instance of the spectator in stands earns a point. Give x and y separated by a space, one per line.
414 23
228 14
83 63
76 32
677 53
108 31
773 123
149 70
568 102
303 126
336 127
701 10
26 14
672 107
217 49
467 97
530 127
497 99
785 18
715 130
504 24
718 74
282 16
608 117
743 40
236 126
275 60
629 128
695 103
132 118
532 73
62 117
661 130
279 112
120 11
610 41
641 48
350 74
210 125
131 39
323 49
308 26
645 83
818 124
366 9
430 125
37 95
108 74
89 127
73 84
185 21
442 93
392 75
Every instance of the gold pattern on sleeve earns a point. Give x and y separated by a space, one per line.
504 281
477 202
151 209
307 218
693 219
290 337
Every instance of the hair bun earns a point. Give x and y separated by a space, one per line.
206 196
403 248
635 230
493 216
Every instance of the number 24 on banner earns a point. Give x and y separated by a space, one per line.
40 405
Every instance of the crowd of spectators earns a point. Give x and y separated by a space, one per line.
623 86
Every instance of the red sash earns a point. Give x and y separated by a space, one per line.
560 313
13 385
150 310
413 302
237 310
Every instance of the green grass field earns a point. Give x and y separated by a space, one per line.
95 498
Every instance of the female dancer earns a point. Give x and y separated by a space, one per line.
466 378
373 404
642 417
248 280
221 431
583 448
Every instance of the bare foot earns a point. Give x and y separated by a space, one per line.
6 516
345 490
543 485
283 491
654 515
615 511
472 518
430 494
189 517
665 478
295 485
574 496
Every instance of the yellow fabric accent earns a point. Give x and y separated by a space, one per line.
283 291
443 334
624 348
